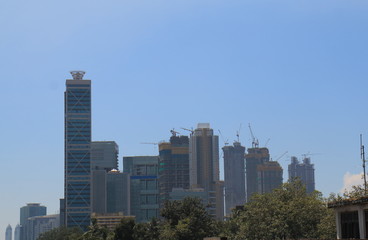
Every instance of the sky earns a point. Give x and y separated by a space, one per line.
295 70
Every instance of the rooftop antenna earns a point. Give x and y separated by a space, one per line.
362 155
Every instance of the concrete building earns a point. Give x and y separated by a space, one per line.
144 192
204 167
173 166
31 210
77 190
262 175
17 232
234 173
41 224
351 218
304 171
8 233
104 155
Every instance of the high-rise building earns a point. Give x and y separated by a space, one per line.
255 156
31 210
204 167
234 173
17 232
262 175
104 155
144 191
41 224
8 233
99 195
304 171
118 192
77 190
173 166
269 176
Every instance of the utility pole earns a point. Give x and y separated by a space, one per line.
362 155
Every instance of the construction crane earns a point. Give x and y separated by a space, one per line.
189 130
238 133
149 143
173 132
223 139
305 155
255 142
267 142
281 156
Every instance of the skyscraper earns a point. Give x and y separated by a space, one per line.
204 167
255 156
77 190
17 232
144 191
304 171
234 173
262 175
104 155
118 192
41 224
31 210
173 166
8 233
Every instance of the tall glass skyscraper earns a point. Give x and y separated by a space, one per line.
77 188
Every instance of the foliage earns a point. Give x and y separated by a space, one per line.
286 213
96 232
150 230
62 233
186 219
125 230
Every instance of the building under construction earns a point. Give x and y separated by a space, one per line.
304 171
262 175
234 174
173 166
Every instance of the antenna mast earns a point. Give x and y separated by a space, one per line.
362 155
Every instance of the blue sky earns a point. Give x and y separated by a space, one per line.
296 70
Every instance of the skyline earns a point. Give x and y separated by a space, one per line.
297 71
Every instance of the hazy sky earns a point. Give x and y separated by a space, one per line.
296 70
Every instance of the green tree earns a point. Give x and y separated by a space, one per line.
286 213
186 220
150 230
125 230
62 233
96 232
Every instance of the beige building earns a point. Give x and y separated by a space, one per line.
109 220
204 167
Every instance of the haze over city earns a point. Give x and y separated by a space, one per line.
295 70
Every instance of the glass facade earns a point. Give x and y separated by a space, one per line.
144 192
77 153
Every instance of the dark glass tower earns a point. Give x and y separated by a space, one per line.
77 151
234 169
